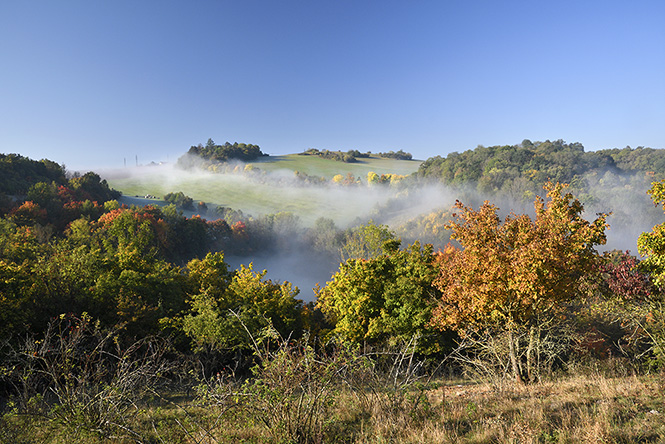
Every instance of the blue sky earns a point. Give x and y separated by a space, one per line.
92 83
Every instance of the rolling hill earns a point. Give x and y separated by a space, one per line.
269 185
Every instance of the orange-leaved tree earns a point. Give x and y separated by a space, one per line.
514 275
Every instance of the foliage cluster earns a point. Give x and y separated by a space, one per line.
138 268
349 180
212 154
222 153
353 155
399 154
180 200
227 305
384 179
520 170
121 268
606 181
41 191
347 157
384 298
18 173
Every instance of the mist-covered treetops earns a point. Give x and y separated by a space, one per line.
612 181
500 168
518 171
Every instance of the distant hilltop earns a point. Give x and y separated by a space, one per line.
245 152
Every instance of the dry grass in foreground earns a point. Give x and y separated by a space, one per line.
593 409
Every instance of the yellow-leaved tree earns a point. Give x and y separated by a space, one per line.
651 245
515 275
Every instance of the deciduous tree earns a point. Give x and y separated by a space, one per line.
225 304
515 274
369 241
385 298
652 246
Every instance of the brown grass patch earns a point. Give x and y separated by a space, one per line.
577 409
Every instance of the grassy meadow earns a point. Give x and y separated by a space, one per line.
587 408
318 166
279 193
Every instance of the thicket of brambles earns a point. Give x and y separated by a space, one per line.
126 324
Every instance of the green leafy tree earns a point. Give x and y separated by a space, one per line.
368 241
325 237
226 307
651 245
138 283
180 200
20 287
373 178
91 186
387 298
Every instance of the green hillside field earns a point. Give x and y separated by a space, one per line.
317 166
272 189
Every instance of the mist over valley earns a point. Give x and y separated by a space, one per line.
415 206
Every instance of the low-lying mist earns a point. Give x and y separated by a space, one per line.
257 193
414 210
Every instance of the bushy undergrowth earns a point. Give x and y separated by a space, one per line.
79 384
81 378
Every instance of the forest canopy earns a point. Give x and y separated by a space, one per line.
529 165
18 173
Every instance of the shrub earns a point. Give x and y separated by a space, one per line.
80 377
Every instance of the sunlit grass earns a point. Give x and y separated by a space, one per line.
317 166
575 409
256 196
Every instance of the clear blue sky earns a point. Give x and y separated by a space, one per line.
91 83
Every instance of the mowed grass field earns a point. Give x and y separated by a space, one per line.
277 193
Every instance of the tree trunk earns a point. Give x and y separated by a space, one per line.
513 357
530 368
